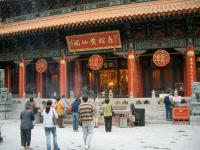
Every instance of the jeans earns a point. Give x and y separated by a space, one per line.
168 113
108 123
87 128
48 132
75 121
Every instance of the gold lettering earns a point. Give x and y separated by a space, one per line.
84 42
110 39
93 41
102 40
76 43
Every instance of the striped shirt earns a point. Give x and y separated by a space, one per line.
86 112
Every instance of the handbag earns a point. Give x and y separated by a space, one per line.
113 113
54 119
80 122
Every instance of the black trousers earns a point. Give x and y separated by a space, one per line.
25 137
108 123
60 121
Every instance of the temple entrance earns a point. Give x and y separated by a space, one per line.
161 79
112 77
108 82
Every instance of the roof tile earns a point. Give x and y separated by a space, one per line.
134 10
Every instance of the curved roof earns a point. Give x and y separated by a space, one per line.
101 15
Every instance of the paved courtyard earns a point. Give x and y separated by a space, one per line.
149 137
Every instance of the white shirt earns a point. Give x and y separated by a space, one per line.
48 118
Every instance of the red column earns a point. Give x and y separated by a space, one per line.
132 74
191 68
139 79
63 76
77 78
185 76
39 84
22 78
8 78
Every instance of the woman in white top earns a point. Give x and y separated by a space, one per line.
49 126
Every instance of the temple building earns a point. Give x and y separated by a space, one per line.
123 48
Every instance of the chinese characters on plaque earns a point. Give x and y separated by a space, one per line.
94 41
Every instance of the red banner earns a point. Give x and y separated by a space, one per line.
132 74
191 68
94 41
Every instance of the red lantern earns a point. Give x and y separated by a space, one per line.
95 62
41 65
161 58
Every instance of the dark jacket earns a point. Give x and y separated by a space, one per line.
75 105
167 102
27 118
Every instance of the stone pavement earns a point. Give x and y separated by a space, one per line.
149 137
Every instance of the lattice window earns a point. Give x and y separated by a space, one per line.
156 79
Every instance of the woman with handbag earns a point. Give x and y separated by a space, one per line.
49 114
107 112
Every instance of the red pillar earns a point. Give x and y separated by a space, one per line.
63 76
185 76
191 68
77 78
132 74
139 79
39 84
22 78
8 78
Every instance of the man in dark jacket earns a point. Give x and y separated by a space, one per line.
168 107
75 106
27 118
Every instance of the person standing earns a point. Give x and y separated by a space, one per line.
86 117
168 107
27 118
50 128
75 118
60 112
64 103
107 112
33 106
96 111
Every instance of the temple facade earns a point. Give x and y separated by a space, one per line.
122 48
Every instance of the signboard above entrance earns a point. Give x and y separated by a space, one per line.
94 41
95 62
41 65
161 58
